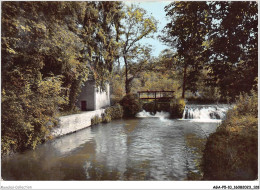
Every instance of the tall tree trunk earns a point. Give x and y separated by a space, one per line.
127 87
184 80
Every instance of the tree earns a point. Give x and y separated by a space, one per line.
185 33
101 30
48 50
137 26
233 50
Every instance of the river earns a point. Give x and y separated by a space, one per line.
145 148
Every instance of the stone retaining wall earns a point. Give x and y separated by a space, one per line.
71 123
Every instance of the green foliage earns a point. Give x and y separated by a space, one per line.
117 88
186 30
177 108
106 118
152 80
217 37
233 47
231 152
29 113
101 30
48 51
131 105
114 112
207 95
96 120
137 26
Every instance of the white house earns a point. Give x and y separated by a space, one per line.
92 98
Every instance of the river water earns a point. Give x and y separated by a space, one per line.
146 148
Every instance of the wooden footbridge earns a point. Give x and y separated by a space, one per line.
156 95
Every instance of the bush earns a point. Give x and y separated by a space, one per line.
96 120
177 108
131 105
231 152
115 112
112 112
106 118
28 114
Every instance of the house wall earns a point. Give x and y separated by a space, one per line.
94 98
102 98
88 94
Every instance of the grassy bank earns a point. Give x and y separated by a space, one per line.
231 153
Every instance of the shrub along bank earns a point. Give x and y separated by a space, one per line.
231 152
112 112
177 108
131 105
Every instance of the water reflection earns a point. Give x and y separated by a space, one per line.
134 149
79 139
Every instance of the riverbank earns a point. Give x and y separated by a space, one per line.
231 153
72 123
75 122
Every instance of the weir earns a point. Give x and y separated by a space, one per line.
205 112
194 112
161 114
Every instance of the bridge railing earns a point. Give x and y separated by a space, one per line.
156 95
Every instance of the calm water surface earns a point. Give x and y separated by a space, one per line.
134 149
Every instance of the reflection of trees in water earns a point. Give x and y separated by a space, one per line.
96 171
194 146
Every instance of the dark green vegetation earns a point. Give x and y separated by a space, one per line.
112 112
49 49
131 105
177 108
231 153
216 46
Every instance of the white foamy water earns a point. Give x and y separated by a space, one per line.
205 113
161 114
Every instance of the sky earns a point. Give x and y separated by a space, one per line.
156 9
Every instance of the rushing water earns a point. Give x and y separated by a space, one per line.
205 113
151 147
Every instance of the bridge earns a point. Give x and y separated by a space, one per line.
156 95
